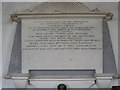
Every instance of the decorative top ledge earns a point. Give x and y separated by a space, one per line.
60 8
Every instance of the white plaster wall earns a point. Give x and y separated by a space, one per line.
9 29
1 45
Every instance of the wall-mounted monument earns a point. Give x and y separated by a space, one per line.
69 46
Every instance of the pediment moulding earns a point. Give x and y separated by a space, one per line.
61 8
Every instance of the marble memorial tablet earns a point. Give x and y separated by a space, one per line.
62 43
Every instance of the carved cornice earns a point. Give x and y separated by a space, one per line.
60 8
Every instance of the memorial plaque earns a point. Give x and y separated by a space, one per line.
62 43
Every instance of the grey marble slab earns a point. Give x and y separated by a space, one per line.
15 60
108 56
